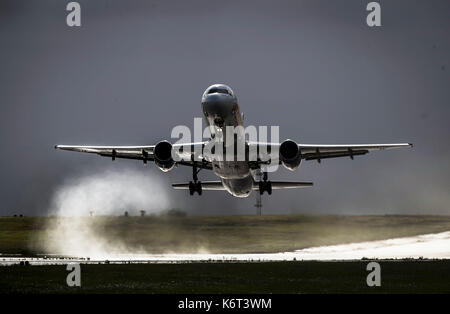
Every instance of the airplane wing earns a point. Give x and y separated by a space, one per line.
318 152
144 153
323 151
308 151
129 152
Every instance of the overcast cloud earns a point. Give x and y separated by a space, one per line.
135 69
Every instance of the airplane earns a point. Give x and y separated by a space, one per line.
238 177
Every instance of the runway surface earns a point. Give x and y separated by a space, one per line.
429 246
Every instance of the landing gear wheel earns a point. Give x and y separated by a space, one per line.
199 188
195 186
265 186
191 188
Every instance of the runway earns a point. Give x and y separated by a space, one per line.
429 246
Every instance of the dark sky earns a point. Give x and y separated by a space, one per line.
135 69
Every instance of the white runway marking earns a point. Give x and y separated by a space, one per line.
427 246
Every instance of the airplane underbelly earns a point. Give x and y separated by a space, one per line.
239 187
231 169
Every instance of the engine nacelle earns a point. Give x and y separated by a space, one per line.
290 155
163 156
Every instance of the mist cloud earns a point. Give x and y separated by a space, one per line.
72 232
111 192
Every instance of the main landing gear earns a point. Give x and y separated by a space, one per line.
265 186
195 186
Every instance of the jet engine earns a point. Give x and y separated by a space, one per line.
290 155
163 156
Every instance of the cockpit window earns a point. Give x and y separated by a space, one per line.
219 90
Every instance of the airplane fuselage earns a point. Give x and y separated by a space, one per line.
220 109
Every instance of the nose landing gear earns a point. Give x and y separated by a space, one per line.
219 121
195 186
265 186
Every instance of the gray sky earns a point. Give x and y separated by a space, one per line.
135 69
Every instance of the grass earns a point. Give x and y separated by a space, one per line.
230 234
278 277
220 234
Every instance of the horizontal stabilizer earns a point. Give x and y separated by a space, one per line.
279 185
217 185
206 186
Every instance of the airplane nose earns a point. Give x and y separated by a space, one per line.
216 106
